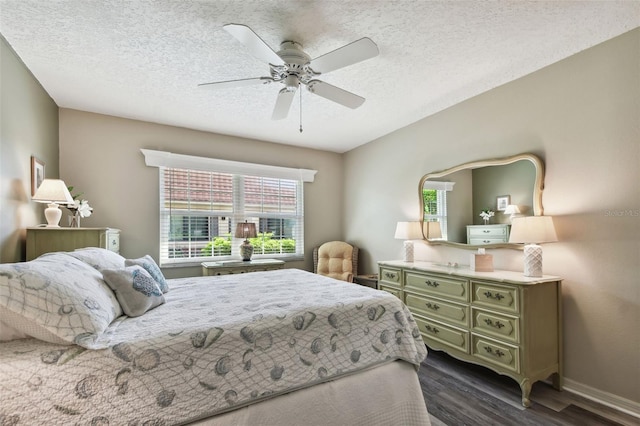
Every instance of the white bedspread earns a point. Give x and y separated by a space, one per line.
219 343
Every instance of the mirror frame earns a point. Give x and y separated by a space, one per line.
538 187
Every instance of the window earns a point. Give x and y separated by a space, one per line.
434 195
199 209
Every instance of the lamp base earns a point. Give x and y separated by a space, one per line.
532 260
246 250
53 215
407 251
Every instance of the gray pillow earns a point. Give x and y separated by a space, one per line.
152 268
135 289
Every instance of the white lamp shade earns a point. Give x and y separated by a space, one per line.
53 191
533 229
408 231
512 209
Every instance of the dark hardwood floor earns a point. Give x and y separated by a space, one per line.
459 393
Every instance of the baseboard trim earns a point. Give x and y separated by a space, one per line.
605 398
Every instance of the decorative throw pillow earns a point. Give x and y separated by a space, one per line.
152 268
98 257
60 294
135 289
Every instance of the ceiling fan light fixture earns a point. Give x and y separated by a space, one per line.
292 82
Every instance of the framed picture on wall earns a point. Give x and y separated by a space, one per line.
502 202
37 174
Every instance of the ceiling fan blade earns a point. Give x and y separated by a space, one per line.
350 54
283 104
257 47
236 83
335 94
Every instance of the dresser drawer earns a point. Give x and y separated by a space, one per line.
396 292
450 288
495 353
488 231
503 327
446 311
494 296
449 336
389 276
477 241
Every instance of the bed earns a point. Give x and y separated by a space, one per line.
92 338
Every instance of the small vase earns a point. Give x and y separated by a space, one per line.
486 221
74 221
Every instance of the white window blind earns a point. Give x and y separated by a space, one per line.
435 202
199 210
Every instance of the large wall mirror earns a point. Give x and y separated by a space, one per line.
452 200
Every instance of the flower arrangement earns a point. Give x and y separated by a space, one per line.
486 215
79 208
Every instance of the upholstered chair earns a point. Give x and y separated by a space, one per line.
336 259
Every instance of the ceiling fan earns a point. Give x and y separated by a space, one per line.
291 66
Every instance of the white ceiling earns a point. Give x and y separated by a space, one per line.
144 59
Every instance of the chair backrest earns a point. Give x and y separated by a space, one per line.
336 259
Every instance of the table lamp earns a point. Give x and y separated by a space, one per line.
53 192
532 230
246 230
408 231
513 211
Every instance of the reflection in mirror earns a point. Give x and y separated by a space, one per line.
452 200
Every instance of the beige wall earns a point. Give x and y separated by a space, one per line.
28 126
582 117
100 156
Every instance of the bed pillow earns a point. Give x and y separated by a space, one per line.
135 289
8 333
99 258
59 295
152 268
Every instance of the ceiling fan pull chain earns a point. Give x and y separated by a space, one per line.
300 111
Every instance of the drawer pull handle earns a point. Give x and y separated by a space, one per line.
486 241
432 283
486 231
496 296
496 324
390 275
431 329
497 352
432 306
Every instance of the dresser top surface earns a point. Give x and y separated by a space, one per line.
63 228
464 271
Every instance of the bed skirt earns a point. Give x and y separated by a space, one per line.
386 395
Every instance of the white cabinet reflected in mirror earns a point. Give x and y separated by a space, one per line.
501 189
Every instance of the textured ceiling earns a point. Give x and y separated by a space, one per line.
144 59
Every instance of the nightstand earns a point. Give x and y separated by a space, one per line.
42 240
370 280
240 266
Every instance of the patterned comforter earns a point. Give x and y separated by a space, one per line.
218 343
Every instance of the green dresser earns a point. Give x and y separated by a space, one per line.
42 240
501 320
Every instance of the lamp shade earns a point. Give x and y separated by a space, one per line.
53 191
432 230
246 230
512 209
408 231
533 229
